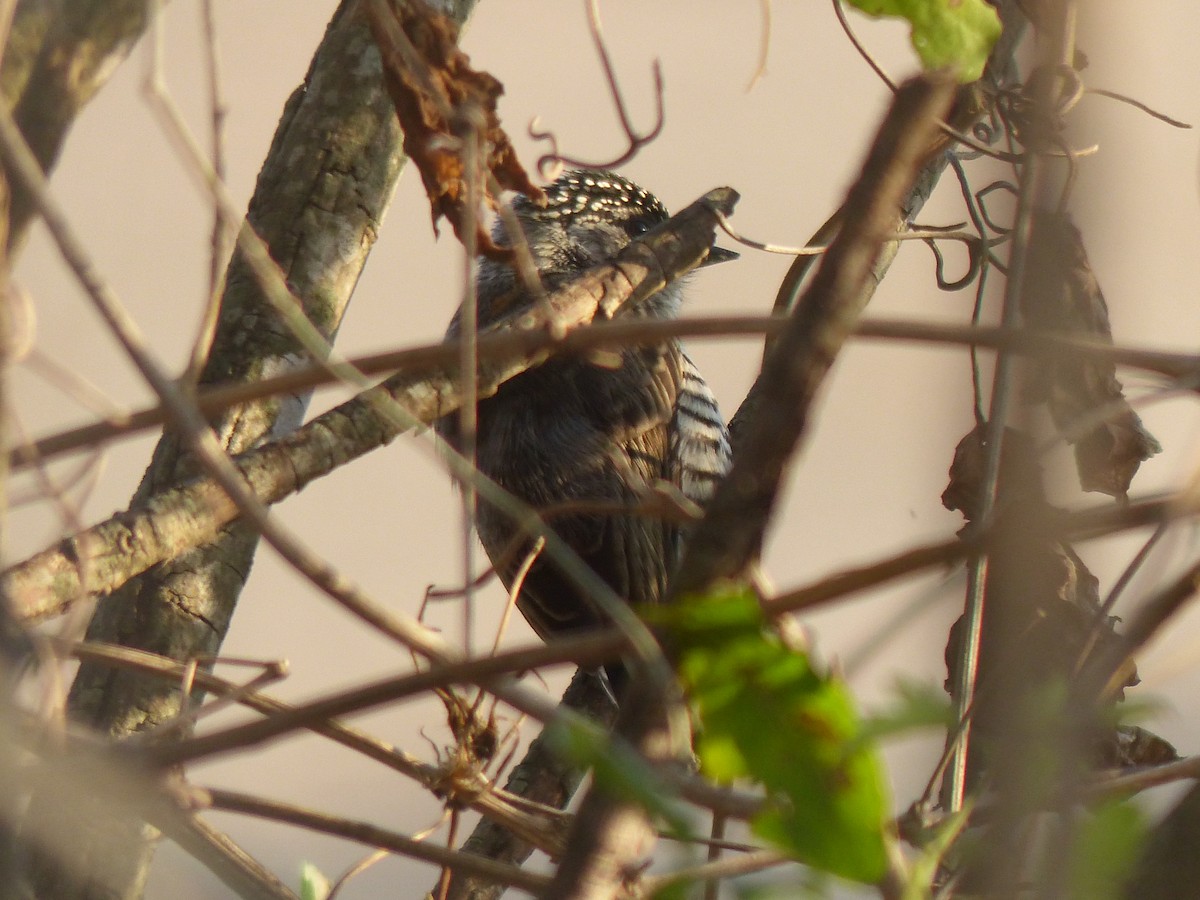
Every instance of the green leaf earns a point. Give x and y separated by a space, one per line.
1105 850
766 713
313 883
954 34
936 843
678 890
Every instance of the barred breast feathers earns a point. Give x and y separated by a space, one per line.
699 451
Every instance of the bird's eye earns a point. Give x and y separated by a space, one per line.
637 227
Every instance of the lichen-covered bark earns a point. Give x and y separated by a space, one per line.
318 204
58 56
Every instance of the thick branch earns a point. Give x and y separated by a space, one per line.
730 537
318 203
107 555
59 56
608 835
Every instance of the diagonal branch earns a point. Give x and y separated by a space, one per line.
611 832
730 538
318 204
107 555
57 57
231 801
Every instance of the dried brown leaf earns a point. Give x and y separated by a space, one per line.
1020 474
1042 612
444 105
1062 295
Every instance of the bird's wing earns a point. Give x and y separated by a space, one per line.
591 434
633 551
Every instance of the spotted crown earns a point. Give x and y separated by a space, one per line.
594 195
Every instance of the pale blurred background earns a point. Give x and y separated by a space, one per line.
873 468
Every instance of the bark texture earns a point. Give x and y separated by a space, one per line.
318 204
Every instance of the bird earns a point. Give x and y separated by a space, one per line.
581 438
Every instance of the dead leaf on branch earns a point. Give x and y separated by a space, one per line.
1063 296
1020 474
1042 611
444 105
1047 597
474 734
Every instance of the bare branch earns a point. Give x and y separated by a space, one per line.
417 360
778 406
187 516
547 163
64 55
370 835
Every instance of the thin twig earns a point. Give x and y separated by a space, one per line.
588 650
716 833
1002 392
355 870
947 233
515 812
272 672
71 383
548 162
764 45
718 870
1138 104
365 833
1128 783
469 125
862 51
220 243
1130 570
430 358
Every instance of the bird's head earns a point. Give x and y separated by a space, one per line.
588 217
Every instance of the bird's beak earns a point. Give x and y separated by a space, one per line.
718 255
